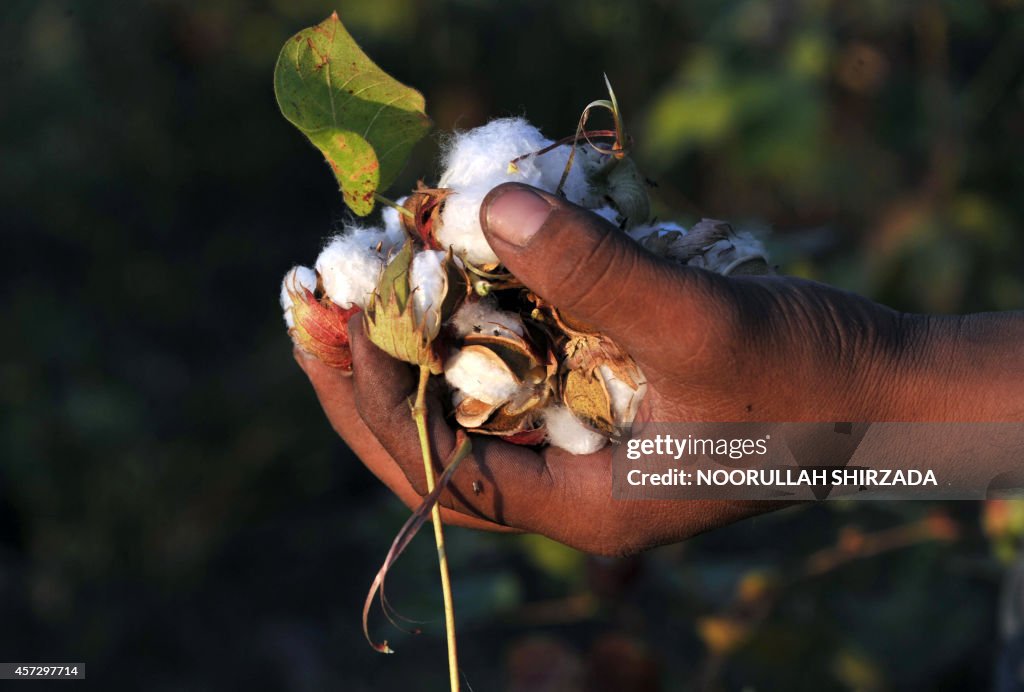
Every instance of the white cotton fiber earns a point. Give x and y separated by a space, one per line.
480 377
477 161
394 233
624 399
350 265
369 237
483 317
428 281
295 280
567 432
578 188
460 226
481 156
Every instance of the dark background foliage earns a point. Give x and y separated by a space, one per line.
174 509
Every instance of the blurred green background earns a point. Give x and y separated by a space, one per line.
175 510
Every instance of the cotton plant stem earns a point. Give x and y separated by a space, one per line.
381 199
419 413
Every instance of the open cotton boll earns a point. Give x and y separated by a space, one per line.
427 281
481 156
478 160
480 377
624 399
350 265
567 432
296 279
483 316
460 226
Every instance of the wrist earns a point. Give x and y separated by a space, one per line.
958 368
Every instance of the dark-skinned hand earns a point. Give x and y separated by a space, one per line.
712 348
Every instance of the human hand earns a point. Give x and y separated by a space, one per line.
712 348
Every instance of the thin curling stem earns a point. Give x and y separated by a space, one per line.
419 413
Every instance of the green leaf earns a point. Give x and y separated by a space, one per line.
363 120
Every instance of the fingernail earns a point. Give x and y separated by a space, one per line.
516 214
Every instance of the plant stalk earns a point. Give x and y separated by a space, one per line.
381 199
419 414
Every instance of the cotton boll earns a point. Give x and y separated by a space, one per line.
475 162
478 160
350 265
477 375
624 399
428 280
567 432
480 157
460 226
294 281
483 316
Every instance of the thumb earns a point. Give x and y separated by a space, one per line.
595 273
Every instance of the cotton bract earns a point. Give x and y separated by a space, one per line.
295 280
